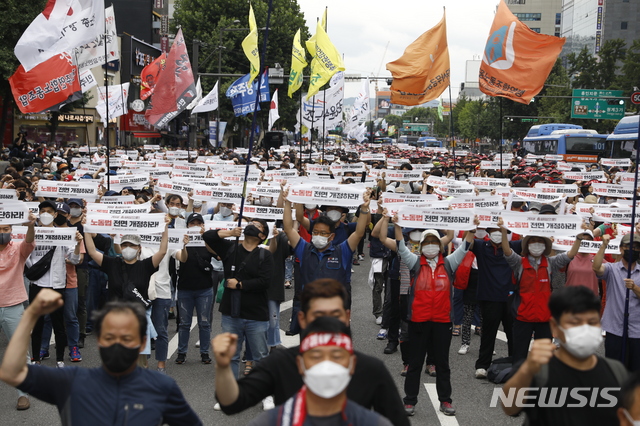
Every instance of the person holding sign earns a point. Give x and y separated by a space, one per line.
532 272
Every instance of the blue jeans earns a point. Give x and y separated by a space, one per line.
202 300
288 269
71 316
9 319
254 331
273 333
160 319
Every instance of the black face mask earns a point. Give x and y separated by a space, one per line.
634 256
252 231
118 358
22 195
60 220
5 238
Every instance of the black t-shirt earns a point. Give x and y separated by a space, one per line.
136 287
276 288
563 378
195 273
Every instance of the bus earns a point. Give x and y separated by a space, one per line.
624 137
574 143
428 142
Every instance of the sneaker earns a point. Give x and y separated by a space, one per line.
198 344
478 331
268 404
80 342
410 410
60 364
44 354
447 409
379 320
382 334
391 348
182 358
162 371
464 349
430 370
74 354
404 371
206 359
361 257
217 407
481 373
287 284
355 261
23 403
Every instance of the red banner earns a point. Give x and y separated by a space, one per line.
47 85
149 76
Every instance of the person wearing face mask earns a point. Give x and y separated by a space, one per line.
429 313
562 371
532 272
174 204
629 412
619 287
335 213
74 218
326 363
127 393
580 271
225 213
371 385
55 277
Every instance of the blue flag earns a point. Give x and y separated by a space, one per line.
243 96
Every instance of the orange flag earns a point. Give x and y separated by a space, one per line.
422 73
516 60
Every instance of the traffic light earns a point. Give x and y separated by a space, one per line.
389 82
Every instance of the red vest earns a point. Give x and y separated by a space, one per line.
431 293
464 271
534 292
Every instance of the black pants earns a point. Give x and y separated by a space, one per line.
391 310
613 349
434 338
522 332
57 321
493 313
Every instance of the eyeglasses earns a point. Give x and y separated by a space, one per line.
322 234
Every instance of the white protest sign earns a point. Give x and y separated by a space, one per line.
137 181
118 199
488 217
338 169
166 186
116 209
615 215
13 213
238 177
616 162
416 217
502 191
55 237
32 206
221 194
422 167
563 167
492 202
536 194
8 194
280 175
396 208
585 176
439 181
586 246
368 156
55 189
151 147
402 175
626 178
612 190
554 157
395 198
265 191
317 168
333 195
544 225
569 190
125 224
396 162
494 165
488 183
456 190
263 212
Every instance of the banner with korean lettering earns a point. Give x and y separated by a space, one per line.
92 54
136 181
536 194
326 106
569 190
333 195
585 176
167 186
456 190
612 190
243 96
222 194
492 202
8 194
55 237
152 223
564 244
488 183
118 199
543 225
115 209
488 218
613 215
416 217
46 86
395 198
113 101
56 189
12 213
263 212
616 162
403 175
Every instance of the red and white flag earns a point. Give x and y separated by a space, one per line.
273 111
62 26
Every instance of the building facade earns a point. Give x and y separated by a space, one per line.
542 16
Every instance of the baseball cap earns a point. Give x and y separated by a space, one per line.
195 216
626 240
547 208
63 207
130 238
77 201
47 203
431 232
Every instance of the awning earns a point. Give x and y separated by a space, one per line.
146 135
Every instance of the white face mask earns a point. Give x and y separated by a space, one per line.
225 211
174 211
496 237
582 341
310 206
265 201
197 204
75 212
430 250
628 416
334 215
327 378
129 253
536 249
182 212
46 219
319 241
481 233
415 235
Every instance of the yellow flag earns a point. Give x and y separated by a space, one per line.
298 62
325 64
311 43
250 46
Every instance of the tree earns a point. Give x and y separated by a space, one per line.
203 19
557 84
629 77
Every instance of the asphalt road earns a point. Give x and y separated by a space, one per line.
471 397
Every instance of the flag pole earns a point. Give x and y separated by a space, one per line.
625 320
324 120
453 142
501 122
313 120
106 90
300 113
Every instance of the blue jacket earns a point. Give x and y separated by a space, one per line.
495 277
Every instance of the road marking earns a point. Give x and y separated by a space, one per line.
500 336
173 343
433 396
286 305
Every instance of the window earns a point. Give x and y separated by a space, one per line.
556 34
516 1
558 18
529 16
623 25
536 30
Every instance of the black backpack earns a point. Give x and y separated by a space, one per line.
500 369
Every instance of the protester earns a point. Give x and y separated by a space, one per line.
629 412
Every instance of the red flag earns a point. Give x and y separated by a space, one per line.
149 76
175 87
46 86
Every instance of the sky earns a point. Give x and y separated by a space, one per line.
361 29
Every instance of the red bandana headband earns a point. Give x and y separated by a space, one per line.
326 339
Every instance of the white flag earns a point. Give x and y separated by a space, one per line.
87 80
383 125
273 112
360 108
209 102
92 55
117 101
62 26
198 97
